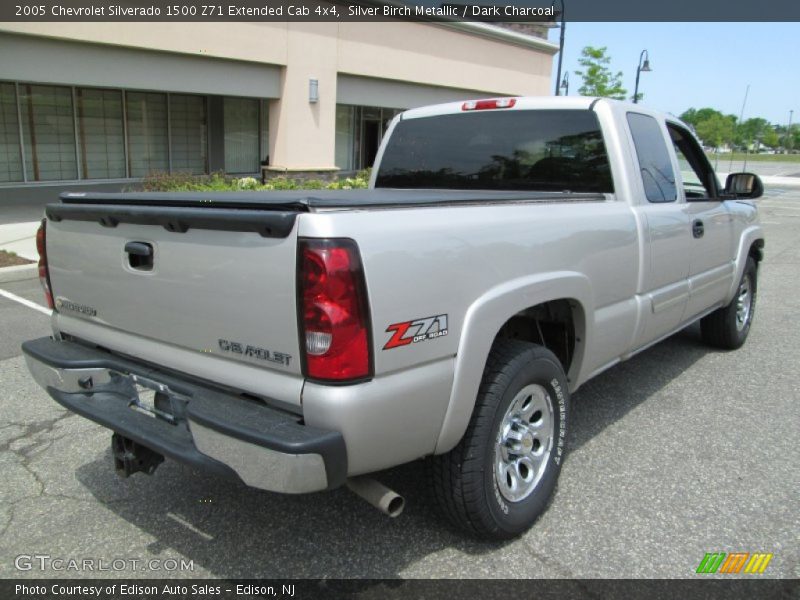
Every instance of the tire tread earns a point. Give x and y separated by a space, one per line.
718 329
455 477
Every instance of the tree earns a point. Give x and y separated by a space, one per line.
750 131
715 130
689 116
693 116
598 80
771 137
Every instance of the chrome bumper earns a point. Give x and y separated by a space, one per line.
191 422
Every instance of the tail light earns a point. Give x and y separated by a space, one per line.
44 272
489 104
333 310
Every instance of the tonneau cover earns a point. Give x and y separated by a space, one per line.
308 200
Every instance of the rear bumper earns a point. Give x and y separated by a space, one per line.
205 427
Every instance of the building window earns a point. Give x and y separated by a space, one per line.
264 153
101 138
10 156
64 133
359 133
241 116
345 137
48 126
148 141
188 133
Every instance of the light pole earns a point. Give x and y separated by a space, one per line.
560 46
641 67
565 83
789 140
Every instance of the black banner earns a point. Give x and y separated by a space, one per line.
490 11
390 589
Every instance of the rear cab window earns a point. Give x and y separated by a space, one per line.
535 150
655 165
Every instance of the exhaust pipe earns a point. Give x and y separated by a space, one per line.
385 500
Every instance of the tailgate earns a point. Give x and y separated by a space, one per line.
221 283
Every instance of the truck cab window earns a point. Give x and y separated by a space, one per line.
536 150
698 177
652 154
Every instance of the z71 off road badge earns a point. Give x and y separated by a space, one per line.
418 330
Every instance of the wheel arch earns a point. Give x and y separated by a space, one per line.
751 245
491 316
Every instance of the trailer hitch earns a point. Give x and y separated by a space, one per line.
131 457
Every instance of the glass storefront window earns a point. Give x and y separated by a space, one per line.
10 155
241 135
147 133
264 132
345 137
359 132
101 138
188 133
48 126
66 133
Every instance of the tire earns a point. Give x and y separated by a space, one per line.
727 327
482 485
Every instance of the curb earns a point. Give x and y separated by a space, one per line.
19 273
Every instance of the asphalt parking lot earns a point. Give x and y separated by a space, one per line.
680 451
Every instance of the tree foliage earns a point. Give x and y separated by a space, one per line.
598 80
717 129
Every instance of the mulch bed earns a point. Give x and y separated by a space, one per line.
11 260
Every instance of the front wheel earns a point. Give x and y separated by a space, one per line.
728 326
501 475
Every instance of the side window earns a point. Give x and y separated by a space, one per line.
699 181
655 165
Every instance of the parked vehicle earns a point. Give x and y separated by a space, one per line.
507 251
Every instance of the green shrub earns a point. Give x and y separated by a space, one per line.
220 182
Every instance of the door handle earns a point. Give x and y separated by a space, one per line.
139 248
140 255
698 229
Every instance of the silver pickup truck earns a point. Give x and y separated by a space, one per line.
507 251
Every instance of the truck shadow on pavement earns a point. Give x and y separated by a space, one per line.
231 531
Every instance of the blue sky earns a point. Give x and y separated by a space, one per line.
699 64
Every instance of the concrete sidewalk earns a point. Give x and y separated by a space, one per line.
19 238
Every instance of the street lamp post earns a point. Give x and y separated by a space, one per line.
789 133
560 47
641 67
565 83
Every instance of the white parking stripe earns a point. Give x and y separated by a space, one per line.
26 302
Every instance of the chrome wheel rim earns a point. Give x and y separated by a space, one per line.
744 304
524 442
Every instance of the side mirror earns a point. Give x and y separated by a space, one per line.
744 185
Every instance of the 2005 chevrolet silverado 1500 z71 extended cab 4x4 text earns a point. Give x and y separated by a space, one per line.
507 251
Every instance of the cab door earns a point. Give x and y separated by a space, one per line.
711 266
664 286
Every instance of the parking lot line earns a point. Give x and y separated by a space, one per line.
25 302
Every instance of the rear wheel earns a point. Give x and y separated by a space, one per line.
500 477
728 326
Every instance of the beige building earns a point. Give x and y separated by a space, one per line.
112 102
